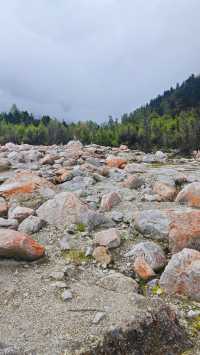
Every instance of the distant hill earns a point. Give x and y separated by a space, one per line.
170 121
184 97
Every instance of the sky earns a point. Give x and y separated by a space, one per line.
88 59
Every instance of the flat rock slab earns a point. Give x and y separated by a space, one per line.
37 320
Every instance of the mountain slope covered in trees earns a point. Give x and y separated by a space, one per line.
171 120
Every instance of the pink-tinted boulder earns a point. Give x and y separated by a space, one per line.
17 245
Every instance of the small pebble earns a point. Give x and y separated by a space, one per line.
59 284
98 317
193 314
66 295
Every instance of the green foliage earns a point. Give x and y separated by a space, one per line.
170 121
76 256
157 290
80 227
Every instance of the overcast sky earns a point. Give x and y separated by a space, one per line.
87 59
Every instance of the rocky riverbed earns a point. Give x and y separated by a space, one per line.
99 251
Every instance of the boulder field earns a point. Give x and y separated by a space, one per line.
99 251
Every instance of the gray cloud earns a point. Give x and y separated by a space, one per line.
87 59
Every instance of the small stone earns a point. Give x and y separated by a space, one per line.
66 295
57 275
109 201
117 216
58 284
65 243
89 251
98 317
193 314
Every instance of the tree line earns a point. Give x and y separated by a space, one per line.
170 121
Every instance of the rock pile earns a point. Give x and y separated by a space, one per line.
101 224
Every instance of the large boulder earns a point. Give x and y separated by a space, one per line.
190 195
65 208
134 182
109 238
31 225
184 231
165 191
8 223
23 183
182 274
17 245
153 223
20 213
152 253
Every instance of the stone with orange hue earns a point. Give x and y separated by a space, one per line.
17 245
116 162
23 183
182 274
152 253
102 255
184 231
165 191
190 195
110 200
133 182
142 268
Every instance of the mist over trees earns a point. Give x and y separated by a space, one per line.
170 121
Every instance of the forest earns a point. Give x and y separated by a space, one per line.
170 121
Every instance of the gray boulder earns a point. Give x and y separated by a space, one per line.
31 225
154 223
8 223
